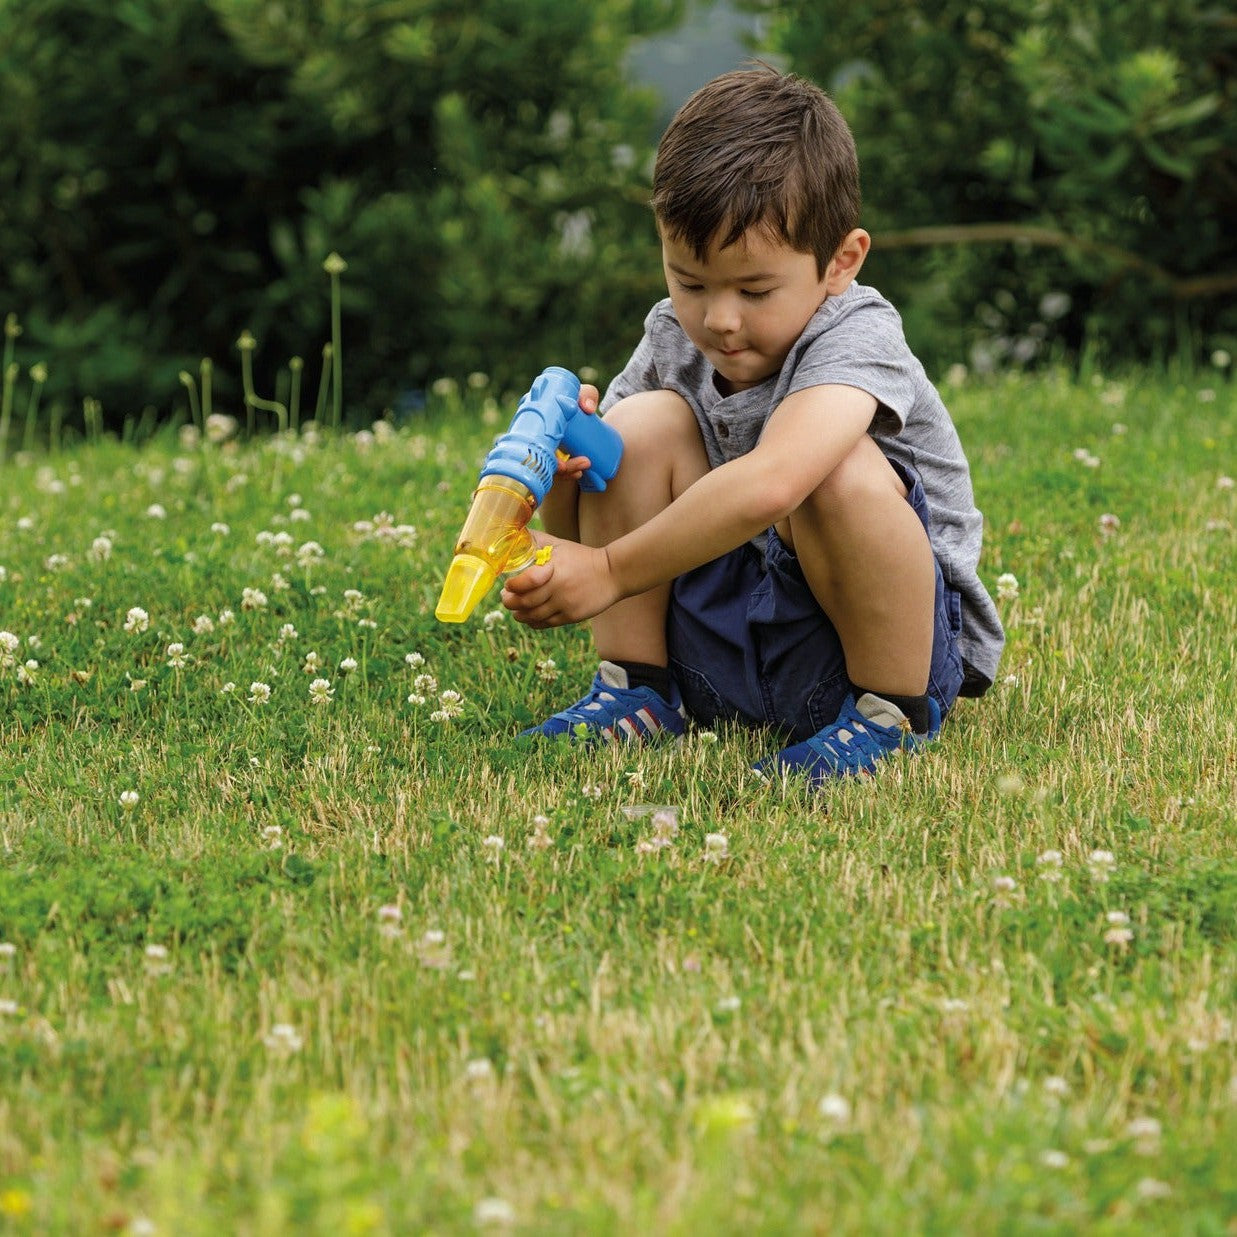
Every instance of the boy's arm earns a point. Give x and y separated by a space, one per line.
805 439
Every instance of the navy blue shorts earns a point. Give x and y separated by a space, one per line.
749 642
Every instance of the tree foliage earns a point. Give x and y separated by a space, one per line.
1101 138
175 171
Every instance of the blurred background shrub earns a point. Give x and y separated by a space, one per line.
1041 179
1097 142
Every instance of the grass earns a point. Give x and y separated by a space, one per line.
292 983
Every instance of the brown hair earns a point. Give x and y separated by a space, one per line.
758 148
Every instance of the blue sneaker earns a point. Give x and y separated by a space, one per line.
866 731
612 712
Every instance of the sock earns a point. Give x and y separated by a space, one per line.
641 674
915 707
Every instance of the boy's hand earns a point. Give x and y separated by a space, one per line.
573 586
576 466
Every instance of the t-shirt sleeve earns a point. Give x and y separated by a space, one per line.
865 348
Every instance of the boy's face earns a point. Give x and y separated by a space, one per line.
745 305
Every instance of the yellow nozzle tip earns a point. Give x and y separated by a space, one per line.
468 580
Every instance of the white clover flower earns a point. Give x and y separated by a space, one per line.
414 660
354 597
101 549
1118 919
157 953
26 672
493 847
135 685
253 599
1052 1158
1144 1130
137 620
1007 586
309 553
716 847
729 1005
287 632
1224 482
1109 523
176 655
8 1007
493 619
226 618
129 799
1118 936
220 529
1101 863
272 835
203 625
493 1212
259 693
321 692
1056 1087
1151 1189
547 670
156 511
665 824
347 665
7 950
228 688
835 1108
425 683
1084 457
279 582
284 1039
1004 884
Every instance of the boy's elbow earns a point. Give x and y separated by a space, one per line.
772 501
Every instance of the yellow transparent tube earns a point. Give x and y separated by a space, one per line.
495 539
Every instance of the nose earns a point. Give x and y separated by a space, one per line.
721 315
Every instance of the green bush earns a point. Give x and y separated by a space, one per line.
176 172
1098 142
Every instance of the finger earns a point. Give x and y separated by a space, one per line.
589 397
530 579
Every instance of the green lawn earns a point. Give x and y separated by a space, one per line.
276 966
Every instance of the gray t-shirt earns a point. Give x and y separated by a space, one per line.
854 339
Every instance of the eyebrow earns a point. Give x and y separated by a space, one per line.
754 277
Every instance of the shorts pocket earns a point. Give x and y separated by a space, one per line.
702 700
946 676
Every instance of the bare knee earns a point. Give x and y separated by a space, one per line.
660 427
865 477
847 497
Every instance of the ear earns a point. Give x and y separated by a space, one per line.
845 263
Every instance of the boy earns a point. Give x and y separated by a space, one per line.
791 540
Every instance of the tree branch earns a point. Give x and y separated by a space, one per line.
1053 238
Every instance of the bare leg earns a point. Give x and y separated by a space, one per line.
662 455
867 559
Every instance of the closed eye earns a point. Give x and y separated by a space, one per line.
756 296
